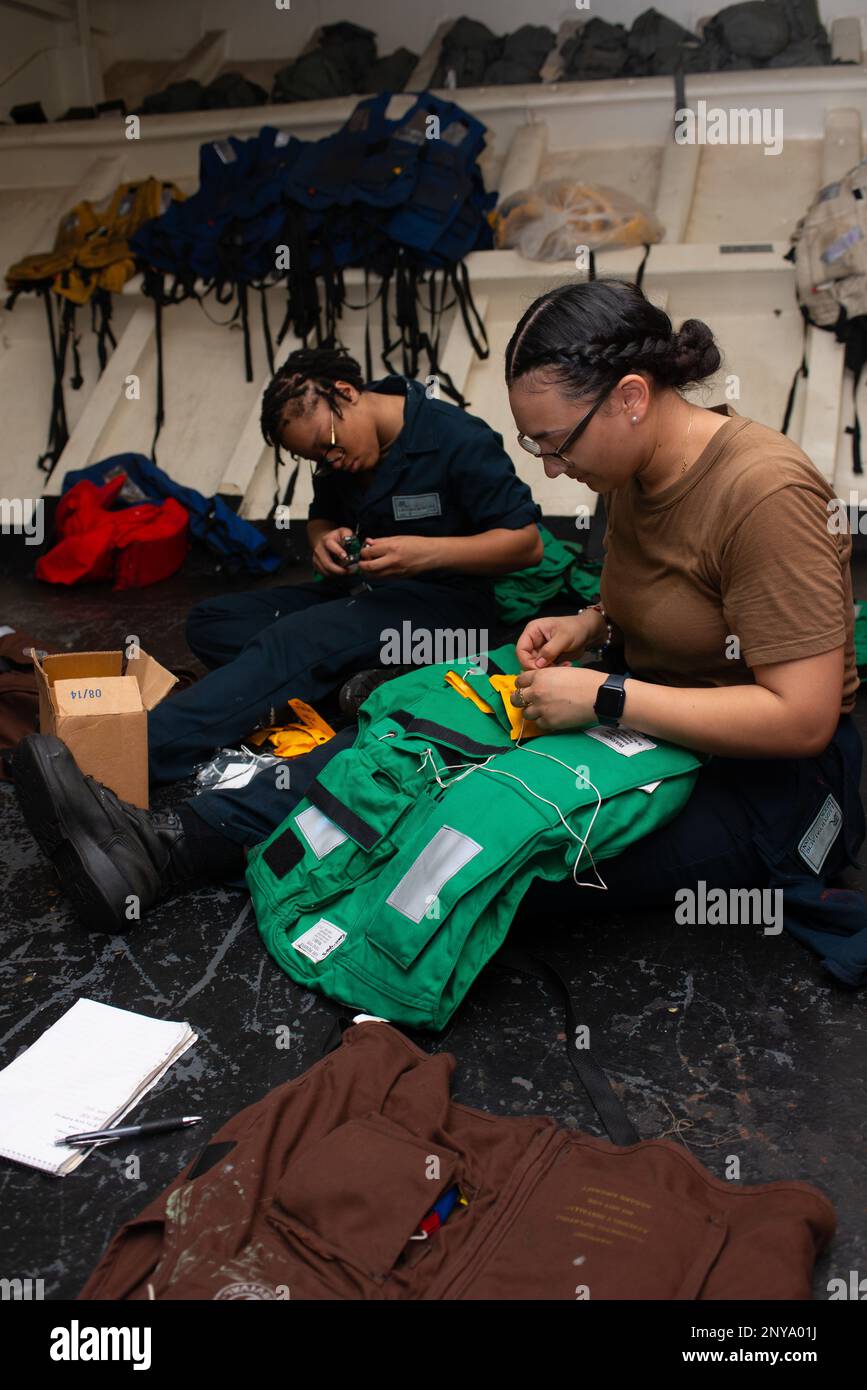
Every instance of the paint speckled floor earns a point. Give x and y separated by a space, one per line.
732 1042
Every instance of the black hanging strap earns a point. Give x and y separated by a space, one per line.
639 274
802 370
76 381
244 306
853 333
266 329
58 431
460 279
100 322
368 356
679 88
607 1105
156 288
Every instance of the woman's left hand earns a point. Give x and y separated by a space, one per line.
560 697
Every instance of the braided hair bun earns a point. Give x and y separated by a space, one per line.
695 355
586 335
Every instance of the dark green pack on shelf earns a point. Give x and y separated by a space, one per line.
393 883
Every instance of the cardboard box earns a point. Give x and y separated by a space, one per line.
97 703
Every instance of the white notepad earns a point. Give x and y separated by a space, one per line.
86 1072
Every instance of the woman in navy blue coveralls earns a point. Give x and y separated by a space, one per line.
434 498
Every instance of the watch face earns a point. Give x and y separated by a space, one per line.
610 700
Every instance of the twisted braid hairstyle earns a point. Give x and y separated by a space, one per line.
307 375
585 336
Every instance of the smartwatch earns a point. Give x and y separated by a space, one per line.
610 699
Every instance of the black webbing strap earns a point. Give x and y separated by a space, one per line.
336 1028
58 431
854 335
855 431
368 355
244 306
460 279
343 816
450 738
100 322
679 88
639 274
801 370
266 329
76 381
156 289
607 1105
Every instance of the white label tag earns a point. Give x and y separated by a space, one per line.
649 787
320 940
817 841
625 741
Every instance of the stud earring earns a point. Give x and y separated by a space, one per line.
634 419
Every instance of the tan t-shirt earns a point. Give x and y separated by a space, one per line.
742 546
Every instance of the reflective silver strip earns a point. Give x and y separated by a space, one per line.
321 834
439 861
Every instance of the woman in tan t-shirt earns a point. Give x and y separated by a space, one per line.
726 594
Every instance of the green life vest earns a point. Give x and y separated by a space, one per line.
561 573
396 879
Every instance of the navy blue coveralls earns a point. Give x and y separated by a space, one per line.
446 474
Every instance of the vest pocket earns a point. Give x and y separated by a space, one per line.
415 906
358 1195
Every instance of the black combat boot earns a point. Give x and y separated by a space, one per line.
114 860
355 691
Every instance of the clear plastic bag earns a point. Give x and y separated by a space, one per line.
550 222
231 768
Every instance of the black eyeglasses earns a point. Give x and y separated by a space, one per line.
535 448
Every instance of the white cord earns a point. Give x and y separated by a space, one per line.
475 767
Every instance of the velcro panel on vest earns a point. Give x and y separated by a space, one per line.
351 801
282 854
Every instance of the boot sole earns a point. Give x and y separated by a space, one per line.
86 874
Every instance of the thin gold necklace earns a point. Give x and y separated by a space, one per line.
684 465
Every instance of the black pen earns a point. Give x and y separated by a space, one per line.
131 1131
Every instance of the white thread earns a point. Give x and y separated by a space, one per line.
539 754
475 767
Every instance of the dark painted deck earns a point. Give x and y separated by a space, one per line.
736 1040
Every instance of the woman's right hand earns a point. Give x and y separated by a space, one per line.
328 556
557 641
